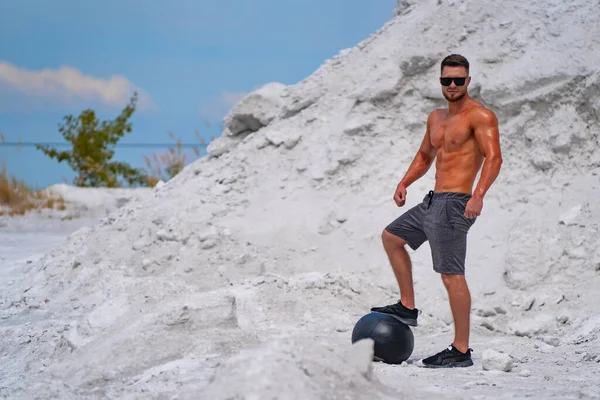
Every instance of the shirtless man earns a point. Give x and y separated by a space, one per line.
462 137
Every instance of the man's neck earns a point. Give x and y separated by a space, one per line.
458 106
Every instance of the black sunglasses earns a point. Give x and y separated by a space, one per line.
457 81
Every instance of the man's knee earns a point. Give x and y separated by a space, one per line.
453 280
391 241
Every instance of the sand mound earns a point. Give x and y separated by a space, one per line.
277 231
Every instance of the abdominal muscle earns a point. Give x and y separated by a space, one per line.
456 170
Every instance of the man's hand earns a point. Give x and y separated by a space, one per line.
400 195
474 206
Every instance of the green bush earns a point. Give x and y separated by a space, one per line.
92 150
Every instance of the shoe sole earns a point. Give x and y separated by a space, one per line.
460 364
410 322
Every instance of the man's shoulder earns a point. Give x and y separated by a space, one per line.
479 114
437 112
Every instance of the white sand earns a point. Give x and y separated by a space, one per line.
242 277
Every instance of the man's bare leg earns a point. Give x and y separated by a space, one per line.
459 354
404 310
401 265
460 304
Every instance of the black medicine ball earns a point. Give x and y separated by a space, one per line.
394 340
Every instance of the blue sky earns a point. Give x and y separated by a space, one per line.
190 60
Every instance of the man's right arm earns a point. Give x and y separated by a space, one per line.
422 160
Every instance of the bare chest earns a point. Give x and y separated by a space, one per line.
450 134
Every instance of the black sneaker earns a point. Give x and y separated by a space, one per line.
450 357
398 311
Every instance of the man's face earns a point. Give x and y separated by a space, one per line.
454 92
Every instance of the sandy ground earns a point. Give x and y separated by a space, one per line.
539 367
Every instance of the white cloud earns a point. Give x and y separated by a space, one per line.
68 86
221 106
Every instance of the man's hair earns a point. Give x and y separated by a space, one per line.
455 60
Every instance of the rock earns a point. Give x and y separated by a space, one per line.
358 127
288 139
542 161
360 357
301 167
487 325
551 340
538 324
419 64
211 233
293 369
568 217
221 145
486 312
543 347
72 337
493 360
360 120
208 244
340 216
296 106
166 236
403 7
565 141
256 110
347 156
328 225
578 253
524 373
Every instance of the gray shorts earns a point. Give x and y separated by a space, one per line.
439 219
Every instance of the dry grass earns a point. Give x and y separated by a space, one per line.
163 166
16 198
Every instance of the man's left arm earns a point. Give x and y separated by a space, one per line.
487 136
